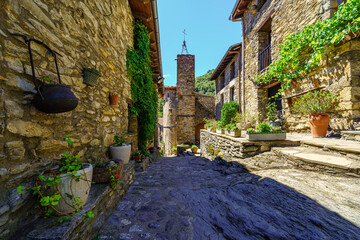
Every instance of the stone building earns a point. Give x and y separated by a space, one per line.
263 29
227 79
184 109
87 34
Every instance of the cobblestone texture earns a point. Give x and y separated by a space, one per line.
194 198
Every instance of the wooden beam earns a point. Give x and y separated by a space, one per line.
141 16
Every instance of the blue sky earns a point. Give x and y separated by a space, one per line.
209 33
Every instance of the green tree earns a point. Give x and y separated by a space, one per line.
203 85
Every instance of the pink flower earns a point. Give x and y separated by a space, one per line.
120 178
117 176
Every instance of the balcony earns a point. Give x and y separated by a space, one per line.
265 58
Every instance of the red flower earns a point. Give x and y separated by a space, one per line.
117 176
120 178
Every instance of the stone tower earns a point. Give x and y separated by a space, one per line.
169 121
185 91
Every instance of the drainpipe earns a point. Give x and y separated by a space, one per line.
242 67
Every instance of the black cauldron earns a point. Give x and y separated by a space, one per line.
55 98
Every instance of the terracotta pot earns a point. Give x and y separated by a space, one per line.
114 100
194 150
102 174
319 124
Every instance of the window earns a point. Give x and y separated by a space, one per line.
222 99
232 71
232 93
222 81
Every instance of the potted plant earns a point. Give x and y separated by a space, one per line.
114 99
120 150
63 189
174 149
91 76
317 105
194 149
265 132
137 156
103 172
233 130
211 125
220 128
272 114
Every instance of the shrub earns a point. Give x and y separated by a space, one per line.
231 126
316 102
228 112
210 123
263 127
220 125
193 146
271 111
250 130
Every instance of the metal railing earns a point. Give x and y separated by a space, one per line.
265 58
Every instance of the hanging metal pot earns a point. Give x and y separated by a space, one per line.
50 98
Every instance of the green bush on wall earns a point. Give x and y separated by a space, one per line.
143 91
228 112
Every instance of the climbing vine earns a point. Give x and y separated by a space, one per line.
304 50
143 90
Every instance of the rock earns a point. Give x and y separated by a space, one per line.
19 168
108 139
86 138
16 200
15 150
3 172
27 129
13 110
19 83
3 219
4 208
52 146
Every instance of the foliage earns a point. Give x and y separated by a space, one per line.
304 50
203 85
88 215
263 127
220 125
46 185
271 111
118 140
160 108
250 130
228 112
49 80
174 149
210 123
194 146
143 91
231 126
315 103
137 153
161 151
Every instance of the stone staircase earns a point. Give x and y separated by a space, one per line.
334 156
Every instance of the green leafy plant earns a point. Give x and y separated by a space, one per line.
210 123
143 91
49 80
115 178
231 126
315 103
263 127
228 112
220 125
161 151
305 49
194 146
118 140
46 185
251 130
271 111
88 215
174 149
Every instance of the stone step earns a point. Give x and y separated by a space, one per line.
350 135
318 160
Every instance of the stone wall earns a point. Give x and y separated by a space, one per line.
185 88
31 140
225 91
282 18
205 107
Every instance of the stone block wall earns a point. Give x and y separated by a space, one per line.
205 107
31 140
288 17
185 88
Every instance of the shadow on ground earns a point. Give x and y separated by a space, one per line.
194 198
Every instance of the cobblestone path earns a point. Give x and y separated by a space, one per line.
193 198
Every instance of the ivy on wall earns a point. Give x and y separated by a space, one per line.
143 90
304 50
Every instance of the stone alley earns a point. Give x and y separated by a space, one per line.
190 197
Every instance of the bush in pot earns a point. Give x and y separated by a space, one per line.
220 127
120 150
233 130
228 112
194 149
64 189
211 124
317 105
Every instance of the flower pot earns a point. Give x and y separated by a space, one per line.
220 131
266 136
102 174
90 76
121 152
114 100
79 189
234 133
194 150
319 124
55 98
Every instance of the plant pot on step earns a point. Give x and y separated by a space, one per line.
319 124
79 189
194 150
114 99
121 152
102 174
91 76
